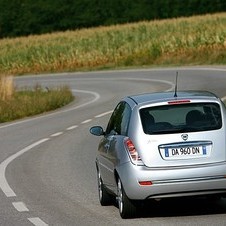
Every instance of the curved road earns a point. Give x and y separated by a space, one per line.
47 171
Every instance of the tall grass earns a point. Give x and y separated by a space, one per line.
6 87
194 40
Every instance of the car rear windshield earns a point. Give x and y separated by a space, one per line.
179 118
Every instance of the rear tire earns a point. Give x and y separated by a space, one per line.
104 197
127 208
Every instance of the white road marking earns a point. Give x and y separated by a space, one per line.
37 221
103 114
56 134
20 207
72 127
86 121
7 190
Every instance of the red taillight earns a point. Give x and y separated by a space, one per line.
131 149
179 102
145 183
133 152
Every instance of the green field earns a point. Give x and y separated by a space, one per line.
184 41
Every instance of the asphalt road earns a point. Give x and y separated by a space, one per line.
47 171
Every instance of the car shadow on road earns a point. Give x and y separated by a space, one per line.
182 207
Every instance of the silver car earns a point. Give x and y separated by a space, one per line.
162 145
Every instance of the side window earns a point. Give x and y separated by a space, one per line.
125 119
119 120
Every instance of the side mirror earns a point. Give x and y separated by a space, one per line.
97 130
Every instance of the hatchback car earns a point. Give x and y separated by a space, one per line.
161 145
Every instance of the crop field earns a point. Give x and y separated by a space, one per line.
184 41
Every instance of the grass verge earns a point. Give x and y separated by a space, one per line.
26 103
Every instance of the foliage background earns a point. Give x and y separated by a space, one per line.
25 17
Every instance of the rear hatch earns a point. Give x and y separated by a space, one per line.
184 133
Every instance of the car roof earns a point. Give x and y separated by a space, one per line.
170 96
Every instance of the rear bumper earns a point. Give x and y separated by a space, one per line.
173 182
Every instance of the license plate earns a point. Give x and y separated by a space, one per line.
185 151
